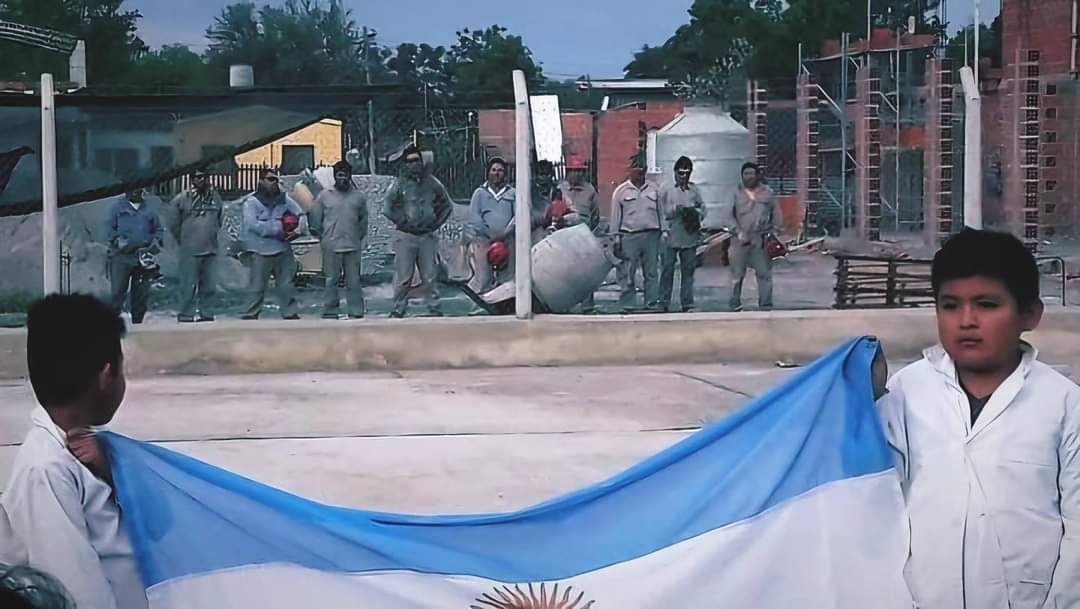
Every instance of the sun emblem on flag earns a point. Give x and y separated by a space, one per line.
515 598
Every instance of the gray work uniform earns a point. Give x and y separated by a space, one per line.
636 219
195 221
340 220
417 207
585 202
490 213
264 239
755 217
681 244
127 230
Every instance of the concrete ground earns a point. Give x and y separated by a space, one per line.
437 441
427 442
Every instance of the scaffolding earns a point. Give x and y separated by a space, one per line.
869 117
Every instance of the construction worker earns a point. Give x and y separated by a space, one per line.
271 220
683 211
417 205
584 204
134 234
752 217
636 222
543 192
491 211
194 220
339 217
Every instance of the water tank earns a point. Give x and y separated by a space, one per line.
241 76
717 144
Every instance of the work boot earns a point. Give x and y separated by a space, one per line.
397 314
185 319
329 315
205 317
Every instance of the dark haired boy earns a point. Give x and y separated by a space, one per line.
59 510
988 441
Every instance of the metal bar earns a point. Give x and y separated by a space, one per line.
845 38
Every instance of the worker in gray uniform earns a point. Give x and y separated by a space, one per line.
339 217
752 217
417 205
584 204
133 229
272 220
491 211
194 218
683 211
636 222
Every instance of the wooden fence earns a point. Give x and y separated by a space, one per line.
241 180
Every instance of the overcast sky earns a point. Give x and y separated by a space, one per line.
570 37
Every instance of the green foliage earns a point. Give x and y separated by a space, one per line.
299 43
480 63
171 66
726 41
109 31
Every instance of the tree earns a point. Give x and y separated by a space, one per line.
480 63
299 43
172 66
108 30
649 62
989 44
420 70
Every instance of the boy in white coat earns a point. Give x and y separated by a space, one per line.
58 513
987 440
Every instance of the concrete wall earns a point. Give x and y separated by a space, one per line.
277 346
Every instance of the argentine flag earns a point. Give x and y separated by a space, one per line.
791 502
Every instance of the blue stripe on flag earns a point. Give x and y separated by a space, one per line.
186 517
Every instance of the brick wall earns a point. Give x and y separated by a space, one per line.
617 142
497 131
1044 26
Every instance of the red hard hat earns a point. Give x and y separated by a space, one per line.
498 255
290 222
559 209
575 162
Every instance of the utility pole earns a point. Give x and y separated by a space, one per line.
369 40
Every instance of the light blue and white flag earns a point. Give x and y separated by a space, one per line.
791 502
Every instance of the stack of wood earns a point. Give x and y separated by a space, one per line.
879 282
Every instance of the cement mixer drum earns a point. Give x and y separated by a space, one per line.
568 266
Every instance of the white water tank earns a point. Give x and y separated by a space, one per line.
717 144
241 76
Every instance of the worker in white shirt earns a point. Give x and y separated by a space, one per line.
59 510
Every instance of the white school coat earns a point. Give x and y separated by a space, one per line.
59 518
994 509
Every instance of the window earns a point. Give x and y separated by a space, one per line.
1051 113
1050 137
117 161
1051 89
1051 185
161 157
295 159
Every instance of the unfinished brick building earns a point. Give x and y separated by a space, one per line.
1031 122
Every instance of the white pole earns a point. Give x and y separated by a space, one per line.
523 206
50 229
972 149
978 26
